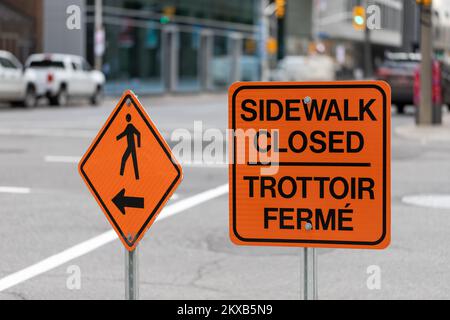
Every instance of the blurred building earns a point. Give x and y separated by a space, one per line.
441 27
333 25
441 30
298 26
175 45
334 19
57 37
21 26
150 45
197 45
398 30
411 26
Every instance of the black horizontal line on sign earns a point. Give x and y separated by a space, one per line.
312 164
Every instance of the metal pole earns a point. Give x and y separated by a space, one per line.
131 274
425 110
98 22
236 56
205 58
263 35
310 291
368 70
174 53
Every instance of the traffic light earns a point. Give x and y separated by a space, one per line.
272 45
280 8
167 13
426 3
359 18
164 20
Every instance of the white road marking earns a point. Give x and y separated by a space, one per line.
56 260
438 201
102 239
76 159
42 132
205 165
62 159
19 190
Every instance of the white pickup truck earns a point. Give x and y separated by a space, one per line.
18 86
63 76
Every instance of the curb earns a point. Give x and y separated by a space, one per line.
431 133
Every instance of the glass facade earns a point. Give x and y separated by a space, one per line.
133 55
188 61
176 45
236 11
17 30
221 62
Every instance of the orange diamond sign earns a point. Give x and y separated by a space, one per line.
130 170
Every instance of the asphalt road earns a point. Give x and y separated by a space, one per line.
46 210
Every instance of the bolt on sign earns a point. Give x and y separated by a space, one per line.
130 170
310 164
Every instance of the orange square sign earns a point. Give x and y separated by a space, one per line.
310 164
130 170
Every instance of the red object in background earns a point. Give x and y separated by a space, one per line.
384 72
417 86
50 77
436 84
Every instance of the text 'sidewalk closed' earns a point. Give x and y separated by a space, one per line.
310 164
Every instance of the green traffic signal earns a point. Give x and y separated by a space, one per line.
164 20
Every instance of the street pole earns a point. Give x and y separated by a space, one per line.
425 110
310 291
131 274
98 33
263 35
281 50
368 69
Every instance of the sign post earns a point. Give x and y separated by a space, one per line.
310 166
131 172
310 274
131 274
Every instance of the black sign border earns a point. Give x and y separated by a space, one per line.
315 86
131 243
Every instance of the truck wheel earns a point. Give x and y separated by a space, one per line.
60 99
30 99
97 98
400 108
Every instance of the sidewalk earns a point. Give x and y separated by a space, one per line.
432 133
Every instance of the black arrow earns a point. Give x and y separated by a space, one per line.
122 202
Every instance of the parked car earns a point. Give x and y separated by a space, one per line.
317 67
17 85
63 76
398 70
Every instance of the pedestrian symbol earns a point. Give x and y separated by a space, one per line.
130 132
130 170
